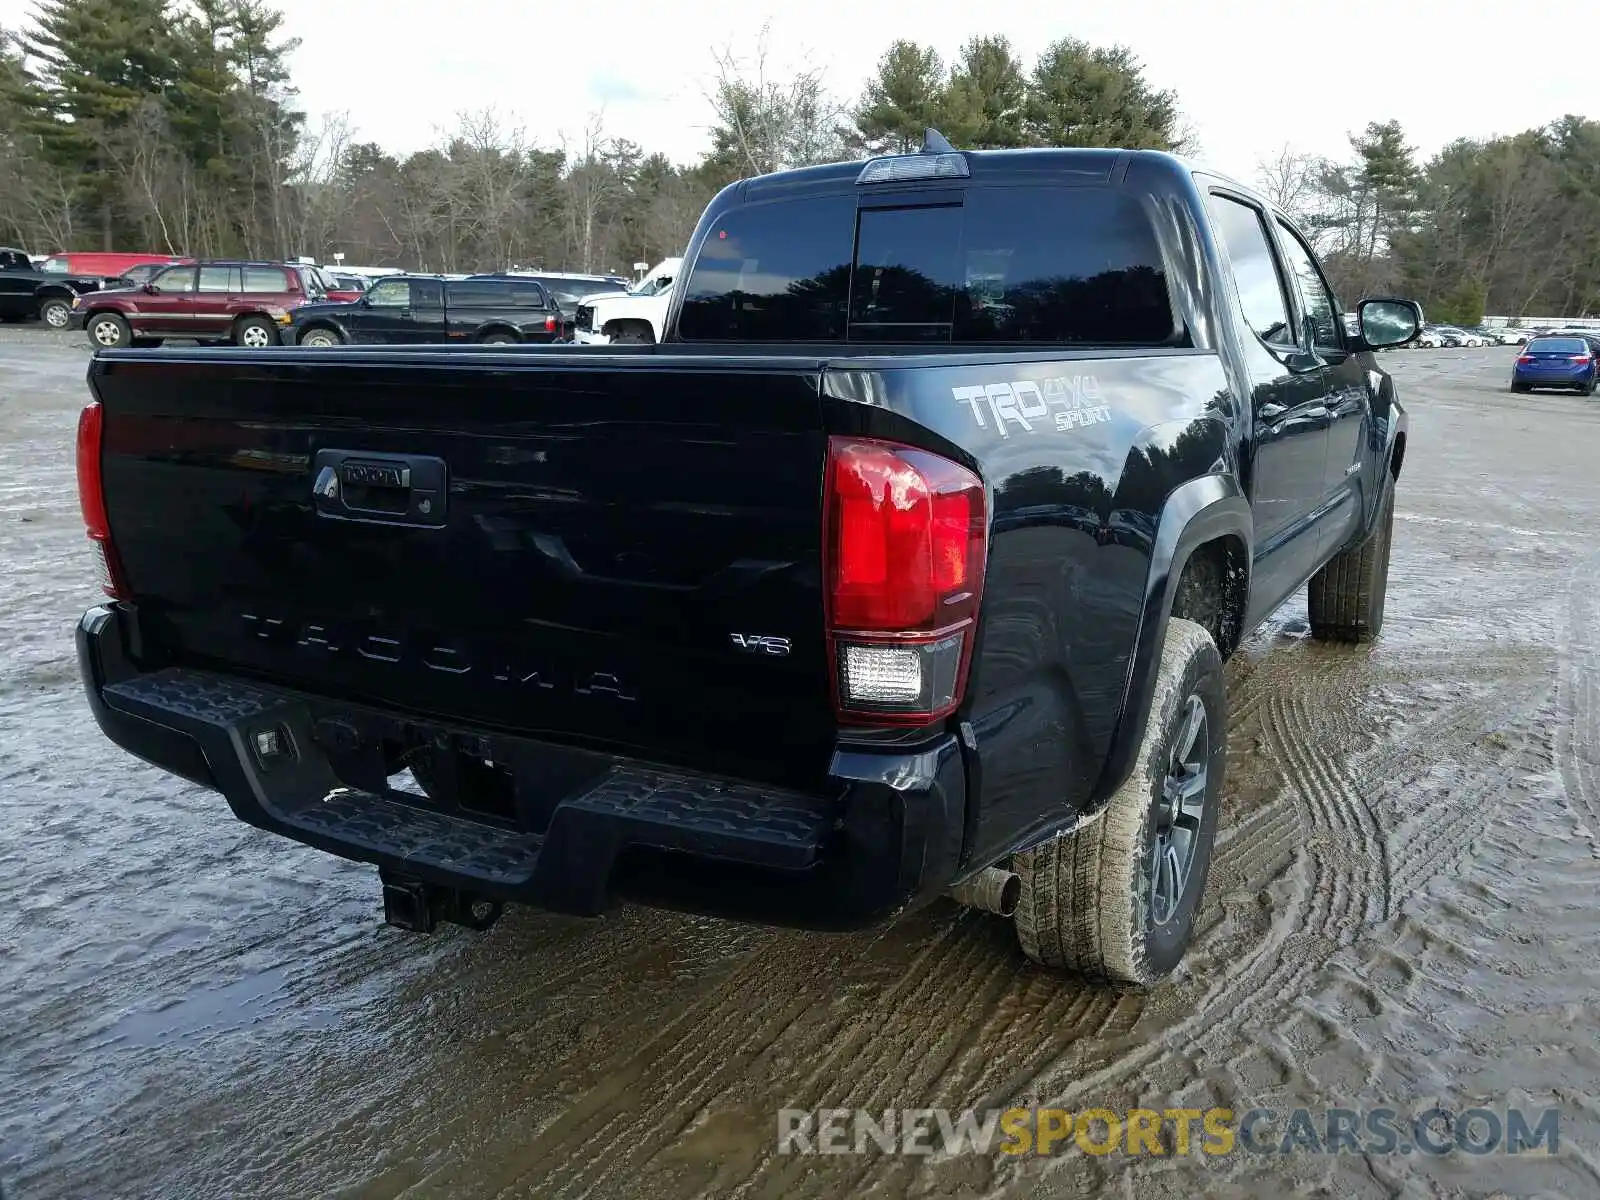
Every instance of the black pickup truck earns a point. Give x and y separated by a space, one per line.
402 310
26 291
904 566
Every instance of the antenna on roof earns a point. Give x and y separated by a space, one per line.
934 142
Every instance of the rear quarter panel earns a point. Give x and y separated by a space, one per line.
1080 456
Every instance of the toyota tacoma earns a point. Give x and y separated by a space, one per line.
904 565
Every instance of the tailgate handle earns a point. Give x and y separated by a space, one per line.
397 489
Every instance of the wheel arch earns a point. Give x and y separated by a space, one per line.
488 327
318 325
1205 526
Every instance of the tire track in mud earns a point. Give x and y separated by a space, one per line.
993 1051
1335 800
1578 698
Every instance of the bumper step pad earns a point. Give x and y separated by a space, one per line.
565 869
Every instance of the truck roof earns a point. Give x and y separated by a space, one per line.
1045 164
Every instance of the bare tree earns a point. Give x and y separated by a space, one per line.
591 184
765 122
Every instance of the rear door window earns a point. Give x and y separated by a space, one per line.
1262 293
269 280
219 279
1007 265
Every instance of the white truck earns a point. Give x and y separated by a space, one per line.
635 317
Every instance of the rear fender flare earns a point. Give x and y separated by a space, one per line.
1196 512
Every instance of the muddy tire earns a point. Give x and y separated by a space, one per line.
498 339
1345 598
108 331
1117 900
632 335
1521 387
320 339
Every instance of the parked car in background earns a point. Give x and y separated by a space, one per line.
1430 338
410 309
637 316
1557 362
104 265
27 292
246 303
351 283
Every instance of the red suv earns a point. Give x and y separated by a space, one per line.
242 302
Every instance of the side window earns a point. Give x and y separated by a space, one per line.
175 280
1316 300
390 293
219 279
477 293
527 295
269 280
427 293
1255 270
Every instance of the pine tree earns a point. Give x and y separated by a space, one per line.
98 62
1083 95
903 98
984 102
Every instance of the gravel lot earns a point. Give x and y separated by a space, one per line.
1403 911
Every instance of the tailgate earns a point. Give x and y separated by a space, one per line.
586 550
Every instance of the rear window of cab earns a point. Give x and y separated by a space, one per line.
1557 346
1010 265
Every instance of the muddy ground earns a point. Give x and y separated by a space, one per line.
1403 911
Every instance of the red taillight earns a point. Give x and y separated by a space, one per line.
92 499
1524 358
906 542
1580 358
549 324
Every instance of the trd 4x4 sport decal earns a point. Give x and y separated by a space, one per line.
1071 402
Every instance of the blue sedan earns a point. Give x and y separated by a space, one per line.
1555 362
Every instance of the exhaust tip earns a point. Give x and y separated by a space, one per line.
991 890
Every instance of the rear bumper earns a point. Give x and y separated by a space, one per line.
1556 378
887 835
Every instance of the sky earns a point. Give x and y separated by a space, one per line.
1252 76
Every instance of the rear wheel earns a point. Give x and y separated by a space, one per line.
498 339
255 332
1117 900
55 312
1521 387
108 331
1346 597
633 335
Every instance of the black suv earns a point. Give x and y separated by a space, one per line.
408 309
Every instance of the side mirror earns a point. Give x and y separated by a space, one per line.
1388 322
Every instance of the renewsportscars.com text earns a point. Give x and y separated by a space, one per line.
1176 1132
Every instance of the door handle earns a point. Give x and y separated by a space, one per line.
1272 411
